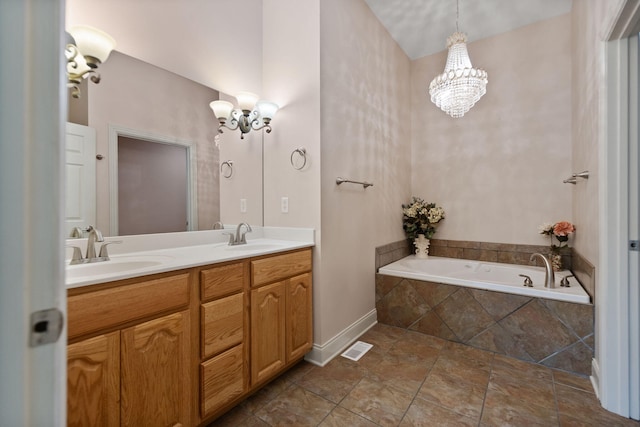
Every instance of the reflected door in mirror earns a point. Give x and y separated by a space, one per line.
80 177
152 187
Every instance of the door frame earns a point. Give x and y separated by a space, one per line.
616 370
33 107
115 132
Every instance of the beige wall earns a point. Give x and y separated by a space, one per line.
498 171
291 78
139 96
344 88
590 19
365 136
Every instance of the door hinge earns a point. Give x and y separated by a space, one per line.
46 326
633 245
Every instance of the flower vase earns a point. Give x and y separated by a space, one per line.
556 261
422 246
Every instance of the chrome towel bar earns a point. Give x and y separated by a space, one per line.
343 180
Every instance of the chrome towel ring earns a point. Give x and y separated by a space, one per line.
302 152
228 171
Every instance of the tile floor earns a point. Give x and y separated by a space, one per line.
412 379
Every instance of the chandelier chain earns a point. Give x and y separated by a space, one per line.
457 13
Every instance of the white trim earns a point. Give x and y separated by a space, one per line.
595 376
192 172
320 355
32 110
611 301
633 215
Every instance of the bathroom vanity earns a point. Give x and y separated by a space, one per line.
181 347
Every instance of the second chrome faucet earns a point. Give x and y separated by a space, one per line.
239 238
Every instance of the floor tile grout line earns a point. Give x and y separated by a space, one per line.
486 390
415 396
555 398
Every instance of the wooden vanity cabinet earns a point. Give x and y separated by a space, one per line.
224 375
93 381
281 313
129 352
181 348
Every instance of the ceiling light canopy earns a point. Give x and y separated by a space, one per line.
460 86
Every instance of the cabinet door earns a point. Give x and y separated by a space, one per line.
222 379
156 379
299 317
93 381
267 331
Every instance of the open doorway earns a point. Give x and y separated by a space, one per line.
152 183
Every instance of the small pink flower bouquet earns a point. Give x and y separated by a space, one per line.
560 230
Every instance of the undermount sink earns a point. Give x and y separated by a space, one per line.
114 265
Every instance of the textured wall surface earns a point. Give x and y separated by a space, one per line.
365 81
553 333
498 171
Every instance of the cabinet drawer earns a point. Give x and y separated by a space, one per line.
219 281
106 308
222 324
221 380
279 267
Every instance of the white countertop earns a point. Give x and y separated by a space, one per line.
158 253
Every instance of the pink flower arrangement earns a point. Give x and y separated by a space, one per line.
560 230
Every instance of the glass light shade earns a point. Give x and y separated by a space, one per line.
81 68
221 109
267 109
92 42
246 100
460 86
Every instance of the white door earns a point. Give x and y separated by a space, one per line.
80 177
32 108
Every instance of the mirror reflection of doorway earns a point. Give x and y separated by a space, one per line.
152 187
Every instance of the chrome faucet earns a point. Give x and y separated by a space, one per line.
240 238
218 225
549 276
94 236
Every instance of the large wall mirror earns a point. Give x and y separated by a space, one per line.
156 111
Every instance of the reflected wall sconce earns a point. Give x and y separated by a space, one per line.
251 114
86 49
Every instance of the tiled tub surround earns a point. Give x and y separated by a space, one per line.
507 253
552 333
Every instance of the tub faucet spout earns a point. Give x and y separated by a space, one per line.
549 276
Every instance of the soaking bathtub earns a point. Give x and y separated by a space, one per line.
489 276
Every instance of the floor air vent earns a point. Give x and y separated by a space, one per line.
356 351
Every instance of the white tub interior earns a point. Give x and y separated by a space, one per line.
488 276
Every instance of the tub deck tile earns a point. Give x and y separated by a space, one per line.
540 333
464 315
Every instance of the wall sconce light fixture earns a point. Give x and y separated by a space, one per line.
250 114
87 47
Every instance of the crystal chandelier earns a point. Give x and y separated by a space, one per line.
460 86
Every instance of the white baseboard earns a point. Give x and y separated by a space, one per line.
595 377
320 355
